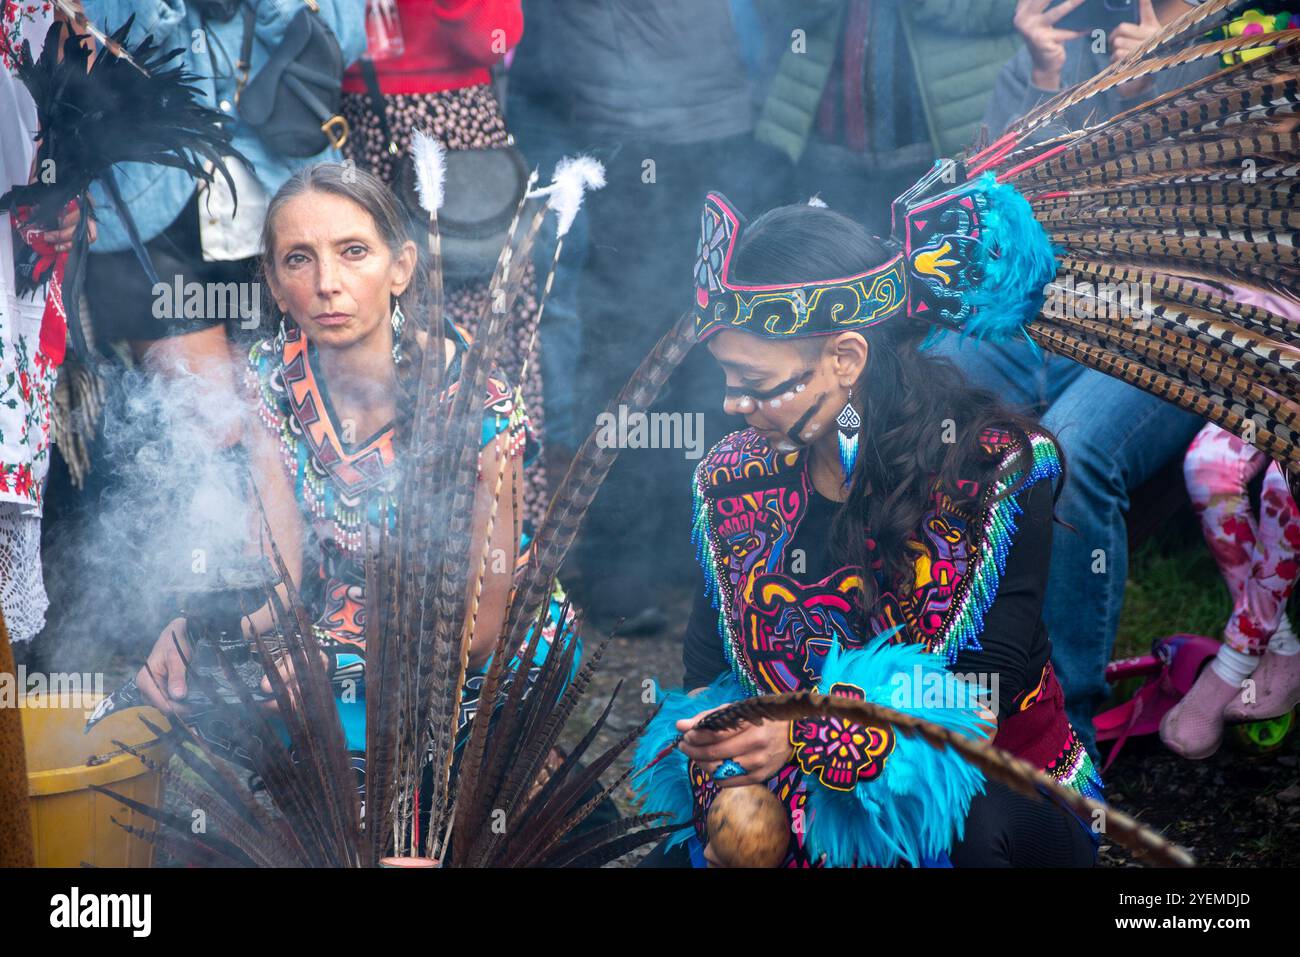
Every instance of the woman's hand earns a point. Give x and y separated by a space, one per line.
1046 44
168 691
284 665
61 238
762 749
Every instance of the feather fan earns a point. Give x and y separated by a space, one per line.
1168 215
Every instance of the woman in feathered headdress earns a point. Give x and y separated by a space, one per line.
873 490
876 500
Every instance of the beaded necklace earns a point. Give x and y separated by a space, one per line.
348 489
353 490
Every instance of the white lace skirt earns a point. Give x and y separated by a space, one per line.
22 586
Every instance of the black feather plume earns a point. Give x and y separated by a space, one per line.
93 115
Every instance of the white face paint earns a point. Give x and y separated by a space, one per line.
745 405
811 432
775 403
800 387
788 397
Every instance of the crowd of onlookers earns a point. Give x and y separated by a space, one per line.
767 101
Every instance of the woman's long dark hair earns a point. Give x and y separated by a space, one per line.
913 400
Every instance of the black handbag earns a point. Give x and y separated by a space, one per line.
482 189
293 101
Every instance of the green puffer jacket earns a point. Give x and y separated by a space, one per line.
957 48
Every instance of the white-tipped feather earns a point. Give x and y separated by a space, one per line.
593 171
430 160
574 175
817 201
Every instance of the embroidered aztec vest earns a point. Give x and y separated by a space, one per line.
776 628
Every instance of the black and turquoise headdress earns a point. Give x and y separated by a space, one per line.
970 258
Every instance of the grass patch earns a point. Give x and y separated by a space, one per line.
1172 586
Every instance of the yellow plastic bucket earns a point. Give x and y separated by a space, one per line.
71 824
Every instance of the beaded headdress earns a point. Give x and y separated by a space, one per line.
954 251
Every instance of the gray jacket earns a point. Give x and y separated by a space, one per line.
666 70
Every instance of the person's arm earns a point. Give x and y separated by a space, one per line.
480 31
284 525
162 678
1014 94
1008 649
162 20
763 749
702 657
462 9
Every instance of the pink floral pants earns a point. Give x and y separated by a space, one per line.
1260 560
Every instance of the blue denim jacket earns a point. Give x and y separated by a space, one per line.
155 195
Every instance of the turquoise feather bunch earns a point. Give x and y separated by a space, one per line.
666 787
1019 261
916 807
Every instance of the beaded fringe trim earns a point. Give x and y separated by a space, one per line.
706 556
980 586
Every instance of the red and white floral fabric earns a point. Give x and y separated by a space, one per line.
26 373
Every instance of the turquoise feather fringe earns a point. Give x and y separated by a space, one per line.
916 808
1020 262
666 788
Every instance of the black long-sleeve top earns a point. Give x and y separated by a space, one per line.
1014 642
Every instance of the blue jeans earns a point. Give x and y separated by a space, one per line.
1115 437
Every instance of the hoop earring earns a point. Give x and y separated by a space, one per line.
848 423
398 321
